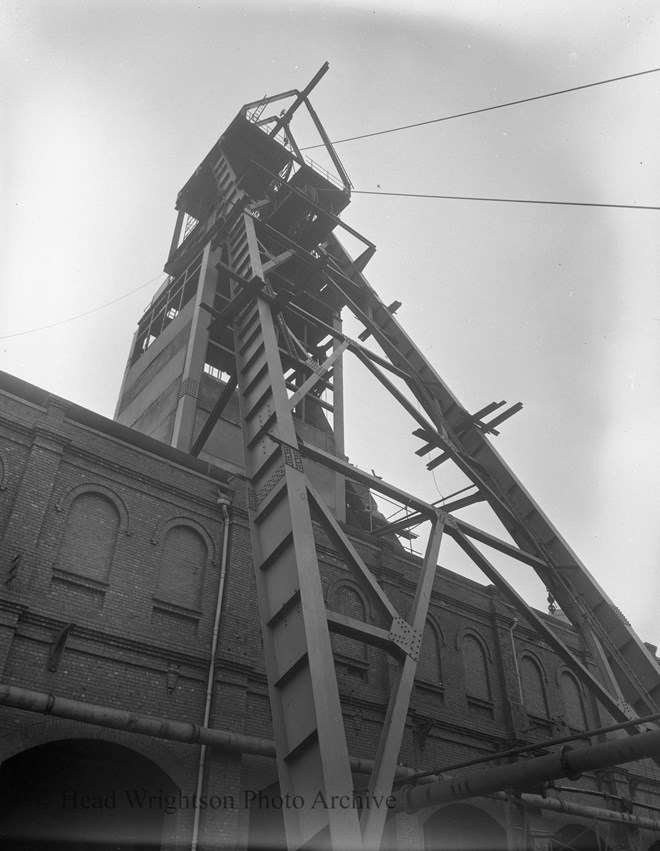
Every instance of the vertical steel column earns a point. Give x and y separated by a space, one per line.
338 423
184 417
176 236
309 735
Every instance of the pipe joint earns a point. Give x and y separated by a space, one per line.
565 763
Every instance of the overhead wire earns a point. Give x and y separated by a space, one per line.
507 200
486 108
416 194
79 315
366 192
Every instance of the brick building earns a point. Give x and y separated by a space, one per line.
112 560
134 691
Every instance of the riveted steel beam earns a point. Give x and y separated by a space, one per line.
407 635
311 747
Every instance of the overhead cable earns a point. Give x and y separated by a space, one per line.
486 108
79 315
507 200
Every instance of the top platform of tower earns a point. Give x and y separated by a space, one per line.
294 193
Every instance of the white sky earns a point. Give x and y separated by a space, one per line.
111 105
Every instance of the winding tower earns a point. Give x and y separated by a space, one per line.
238 359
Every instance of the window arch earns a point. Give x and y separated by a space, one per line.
66 500
475 668
183 560
533 686
347 600
429 666
90 536
572 698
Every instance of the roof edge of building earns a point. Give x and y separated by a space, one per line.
13 386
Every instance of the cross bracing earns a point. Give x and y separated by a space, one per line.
267 222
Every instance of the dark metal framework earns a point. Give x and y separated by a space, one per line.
283 277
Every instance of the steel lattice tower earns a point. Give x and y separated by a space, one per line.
258 280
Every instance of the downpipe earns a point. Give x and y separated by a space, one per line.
211 675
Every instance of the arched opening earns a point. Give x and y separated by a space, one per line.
81 794
534 696
182 567
477 679
429 666
576 837
573 705
351 655
461 827
90 536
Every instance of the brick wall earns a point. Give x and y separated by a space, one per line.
96 609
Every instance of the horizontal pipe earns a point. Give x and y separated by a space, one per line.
601 794
558 805
544 743
532 772
159 728
120 719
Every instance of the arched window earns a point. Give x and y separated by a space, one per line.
429 666
533 687
90 536
184 555
572 698
475 666
348 601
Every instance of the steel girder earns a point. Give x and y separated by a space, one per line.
632 674
307 720
310 741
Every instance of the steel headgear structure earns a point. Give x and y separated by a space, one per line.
259 277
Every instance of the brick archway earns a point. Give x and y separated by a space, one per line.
47 730
77 793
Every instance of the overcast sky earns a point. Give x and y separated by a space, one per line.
111 105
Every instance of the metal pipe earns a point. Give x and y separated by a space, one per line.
523 775
28 700
224 502
119 719
545 743
598 794
558 805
